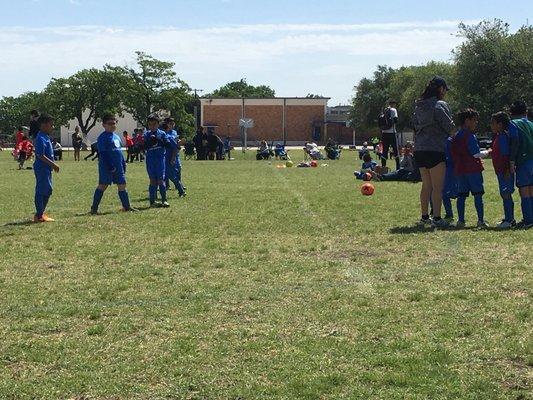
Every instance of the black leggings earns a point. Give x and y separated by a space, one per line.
389 139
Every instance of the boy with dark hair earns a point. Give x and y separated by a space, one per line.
521 158
34 124
43 166
156 142
111 165
466 156
173 172
368 166
502 167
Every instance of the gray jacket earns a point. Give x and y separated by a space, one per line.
433 123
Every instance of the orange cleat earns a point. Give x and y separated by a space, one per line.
46 218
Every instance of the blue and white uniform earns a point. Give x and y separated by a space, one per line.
111 163
155 144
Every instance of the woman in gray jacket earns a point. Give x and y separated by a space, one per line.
433 124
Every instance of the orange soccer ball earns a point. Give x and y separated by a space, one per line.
367 189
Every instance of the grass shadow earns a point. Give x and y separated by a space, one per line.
20 223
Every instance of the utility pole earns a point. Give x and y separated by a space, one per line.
196 91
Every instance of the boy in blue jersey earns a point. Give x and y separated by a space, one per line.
173 172
155 143
467 165
43 166
502 166
449 191
521 158
368 166
111 165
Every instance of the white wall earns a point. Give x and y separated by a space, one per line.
125 123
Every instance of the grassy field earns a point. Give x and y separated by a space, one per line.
263 283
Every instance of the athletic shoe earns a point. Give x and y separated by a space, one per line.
482 224
44 218
504 225
448 219
460 224
93 211
441 223
524 225
155 205
183 194
131 209
423 222
165 204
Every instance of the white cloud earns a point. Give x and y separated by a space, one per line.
212 56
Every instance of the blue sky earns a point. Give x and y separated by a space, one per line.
295 46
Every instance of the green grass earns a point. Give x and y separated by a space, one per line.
263 283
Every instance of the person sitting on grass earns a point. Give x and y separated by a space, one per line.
364 150
43 166
502 166
263 152
407 171
466 156
311 149
111 165
333 151
367 168
280 152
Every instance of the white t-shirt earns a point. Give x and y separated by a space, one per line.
393 114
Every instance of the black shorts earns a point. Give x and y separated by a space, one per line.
429 159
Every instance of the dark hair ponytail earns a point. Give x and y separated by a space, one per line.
431 90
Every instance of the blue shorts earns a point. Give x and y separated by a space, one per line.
106 177
470 183
524 174
156 168
43 181
506 185
450 186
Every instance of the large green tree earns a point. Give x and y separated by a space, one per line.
15 111
371 95
151 85
494 67
243 89
85 96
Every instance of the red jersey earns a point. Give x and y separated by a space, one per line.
129 141
19 138
25 146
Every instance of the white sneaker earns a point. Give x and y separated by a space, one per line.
504 225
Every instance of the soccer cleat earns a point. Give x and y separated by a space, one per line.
504 225
165 204
183 194
449 219
460 224
155 205
93 211
524 225
482 224
423 222
131 209
441 223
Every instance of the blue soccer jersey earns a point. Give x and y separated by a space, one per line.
43 147
111 163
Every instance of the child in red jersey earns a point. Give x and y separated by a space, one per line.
25 151
502 166
468 168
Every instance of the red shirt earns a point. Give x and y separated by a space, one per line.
129 141
20 137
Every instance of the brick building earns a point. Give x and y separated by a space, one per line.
289 119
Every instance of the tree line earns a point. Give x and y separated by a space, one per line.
149 85
488 71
